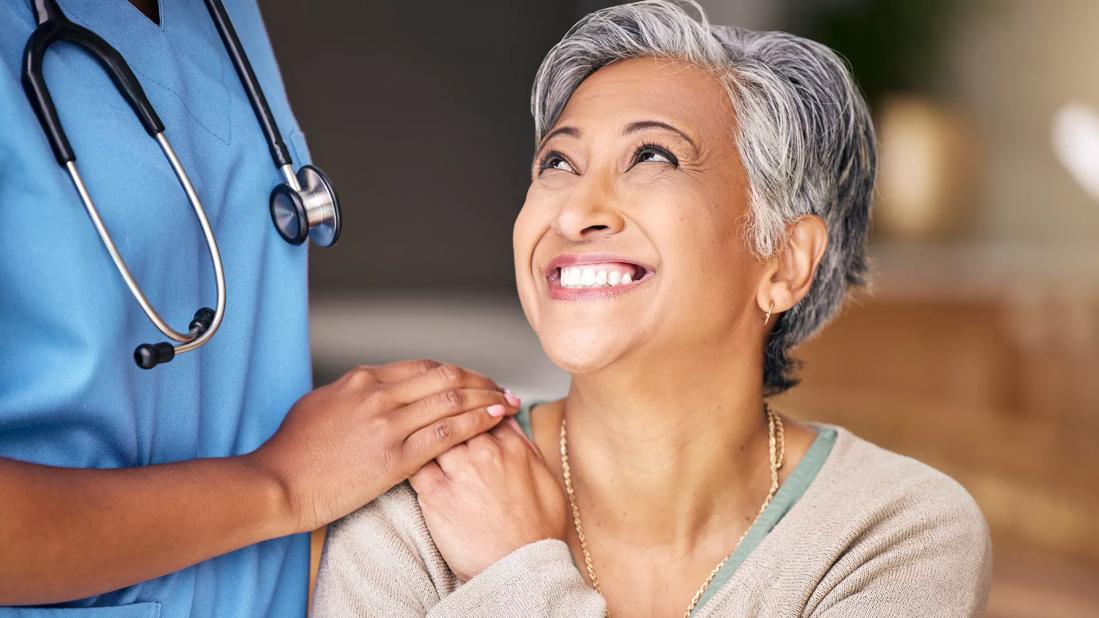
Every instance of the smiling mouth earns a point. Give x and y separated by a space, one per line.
574 281
603 275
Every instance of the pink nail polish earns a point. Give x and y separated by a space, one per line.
496 410
512 398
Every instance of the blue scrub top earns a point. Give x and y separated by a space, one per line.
70 393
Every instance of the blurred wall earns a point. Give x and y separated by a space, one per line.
1013 67
419 113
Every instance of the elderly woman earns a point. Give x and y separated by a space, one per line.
699 204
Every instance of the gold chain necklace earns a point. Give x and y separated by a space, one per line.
776 445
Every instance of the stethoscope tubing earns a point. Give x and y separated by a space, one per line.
317 202
187 341
280 154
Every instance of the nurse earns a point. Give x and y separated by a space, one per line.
183 490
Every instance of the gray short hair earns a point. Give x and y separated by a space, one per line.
804 134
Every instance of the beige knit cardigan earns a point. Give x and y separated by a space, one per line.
874 534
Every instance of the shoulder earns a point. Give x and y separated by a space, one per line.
382 556
391 521
396 513
899 527
889 484
398 501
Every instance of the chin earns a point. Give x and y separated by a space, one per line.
584 352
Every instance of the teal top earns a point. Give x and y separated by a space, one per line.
785 498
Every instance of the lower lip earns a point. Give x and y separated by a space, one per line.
558 292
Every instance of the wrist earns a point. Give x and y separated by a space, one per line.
275 494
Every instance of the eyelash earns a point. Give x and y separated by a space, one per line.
553 155
660 150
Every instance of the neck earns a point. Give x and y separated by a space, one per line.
668 452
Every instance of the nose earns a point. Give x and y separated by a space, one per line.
590 212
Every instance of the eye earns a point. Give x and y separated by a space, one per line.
651 153
554 160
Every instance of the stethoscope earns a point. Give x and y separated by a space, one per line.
305 206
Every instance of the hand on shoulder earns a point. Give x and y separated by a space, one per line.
348 442
488 497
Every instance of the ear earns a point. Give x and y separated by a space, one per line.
788 276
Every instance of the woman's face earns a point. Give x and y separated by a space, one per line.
631 241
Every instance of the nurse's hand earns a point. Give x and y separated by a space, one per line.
484 499
347 443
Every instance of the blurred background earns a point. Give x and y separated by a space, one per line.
977 350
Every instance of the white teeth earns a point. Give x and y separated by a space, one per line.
578 277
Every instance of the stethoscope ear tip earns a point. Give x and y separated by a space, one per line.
149 355
202 320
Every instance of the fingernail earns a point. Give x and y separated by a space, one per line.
496 410
512 398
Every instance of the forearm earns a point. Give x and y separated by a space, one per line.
70 533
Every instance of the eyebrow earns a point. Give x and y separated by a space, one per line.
566 130
641 125
631 128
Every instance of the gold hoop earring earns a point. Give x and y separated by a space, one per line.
767 318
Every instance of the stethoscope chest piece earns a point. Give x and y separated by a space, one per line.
308 210
305 206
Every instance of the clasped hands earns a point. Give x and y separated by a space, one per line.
484 489
487 497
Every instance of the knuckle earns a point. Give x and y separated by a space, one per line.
426 364
425 482
359 376
443 431
393 460
406 457
479 423
411 456
453 400
486 451
451 374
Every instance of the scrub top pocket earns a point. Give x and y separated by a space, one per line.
150 609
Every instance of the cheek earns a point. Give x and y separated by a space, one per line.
524 238
729 279
526 231
710 272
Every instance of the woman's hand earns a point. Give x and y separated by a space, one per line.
350 441
488 497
